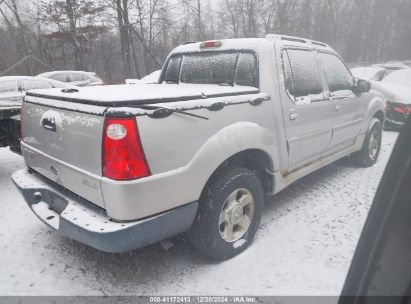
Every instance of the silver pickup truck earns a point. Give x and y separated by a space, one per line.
120 167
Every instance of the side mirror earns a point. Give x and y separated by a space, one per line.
361 86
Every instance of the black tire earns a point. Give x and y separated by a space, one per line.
364 157
205 233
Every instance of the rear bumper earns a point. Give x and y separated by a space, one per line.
395 119
80 220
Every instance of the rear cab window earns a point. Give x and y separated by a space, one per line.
302 75
224 68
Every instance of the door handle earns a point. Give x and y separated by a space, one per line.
293 116
338 108
49 124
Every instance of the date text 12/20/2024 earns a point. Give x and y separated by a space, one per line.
196 299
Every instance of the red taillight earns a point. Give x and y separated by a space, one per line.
403 109
398 108
211 44
123 155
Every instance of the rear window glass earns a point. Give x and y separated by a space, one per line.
35 84
8 86
302 75
59 77
173 70
213 68
246 73
76 77
93 77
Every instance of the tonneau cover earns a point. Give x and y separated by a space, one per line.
139 94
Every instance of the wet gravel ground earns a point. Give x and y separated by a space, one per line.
303 247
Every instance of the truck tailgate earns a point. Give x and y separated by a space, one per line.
64 145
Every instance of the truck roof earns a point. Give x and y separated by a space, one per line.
254 44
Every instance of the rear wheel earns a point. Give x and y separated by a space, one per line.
370 151
230 210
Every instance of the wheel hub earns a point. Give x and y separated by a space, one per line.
236 215
236 212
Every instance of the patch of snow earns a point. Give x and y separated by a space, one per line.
143 92
392 92
152 78
52 115
239 243
367 73
304 245
399 78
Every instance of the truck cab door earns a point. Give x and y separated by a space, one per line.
348 108
306 110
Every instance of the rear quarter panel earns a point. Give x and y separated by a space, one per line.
184 151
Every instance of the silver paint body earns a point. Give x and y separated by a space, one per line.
183 152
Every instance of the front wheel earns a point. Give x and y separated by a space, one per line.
370 151
230 210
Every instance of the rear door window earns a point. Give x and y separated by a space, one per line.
302 74
8 86
77 77
339 78
59 77
29 84
93 77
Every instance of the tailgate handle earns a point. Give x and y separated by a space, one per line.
49 124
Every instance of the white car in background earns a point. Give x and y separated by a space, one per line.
396 88
369 73
153 77
392 66
13 88
77 78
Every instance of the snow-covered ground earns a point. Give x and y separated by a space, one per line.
303 247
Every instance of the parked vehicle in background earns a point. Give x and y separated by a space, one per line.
369 73
400 78
121 167
77 78
407 63
150 78
12 91
13 88
392 66
396 88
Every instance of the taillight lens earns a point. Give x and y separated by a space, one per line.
398 108
403 109
123 155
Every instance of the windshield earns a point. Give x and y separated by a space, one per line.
231 68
